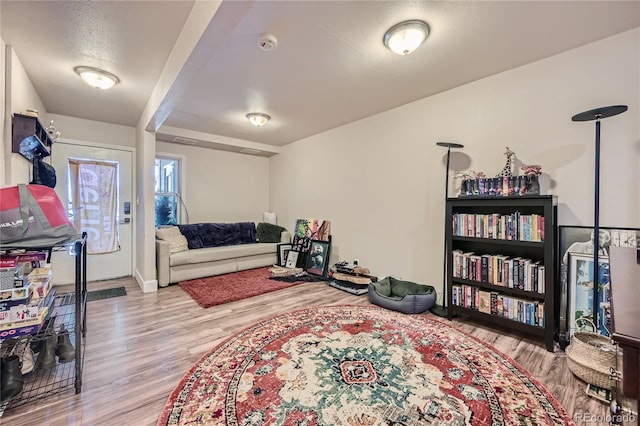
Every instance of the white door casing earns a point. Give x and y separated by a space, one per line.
108 265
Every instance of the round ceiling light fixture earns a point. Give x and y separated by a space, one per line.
405 37
258 119
95 77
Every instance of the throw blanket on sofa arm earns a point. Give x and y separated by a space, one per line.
200 235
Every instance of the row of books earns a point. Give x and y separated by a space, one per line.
493 303
516 226
497 187
517 272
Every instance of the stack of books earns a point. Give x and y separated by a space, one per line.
351 278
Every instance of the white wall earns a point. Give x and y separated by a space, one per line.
92 131
222 186
5 135
381 179
144 223
20 96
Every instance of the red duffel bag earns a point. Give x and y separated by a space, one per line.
33 216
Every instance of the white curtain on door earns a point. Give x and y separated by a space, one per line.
95 200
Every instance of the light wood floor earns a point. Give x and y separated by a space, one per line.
140 345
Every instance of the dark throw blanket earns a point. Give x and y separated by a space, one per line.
200 235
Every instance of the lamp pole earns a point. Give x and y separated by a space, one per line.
597 114
441 311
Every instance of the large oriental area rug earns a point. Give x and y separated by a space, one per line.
358 366
220 289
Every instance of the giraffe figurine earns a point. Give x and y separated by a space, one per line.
506 170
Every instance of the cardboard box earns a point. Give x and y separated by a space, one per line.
40 288
7 304
15 293
39 274
7 327
12 260
19 313
20 331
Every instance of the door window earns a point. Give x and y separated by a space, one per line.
93 198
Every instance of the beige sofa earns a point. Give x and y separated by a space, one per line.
173 267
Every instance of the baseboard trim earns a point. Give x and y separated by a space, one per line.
146 286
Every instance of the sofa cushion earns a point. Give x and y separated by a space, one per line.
269 233
211 254
201 235
171 234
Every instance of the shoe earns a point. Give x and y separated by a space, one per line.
11 381
7 347
27 360
65 350
47 355
46 330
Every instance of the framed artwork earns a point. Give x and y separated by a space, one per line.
302 246
283 250
314 229
318 258
582 281
579 240
292 259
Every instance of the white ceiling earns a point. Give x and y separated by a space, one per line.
330 67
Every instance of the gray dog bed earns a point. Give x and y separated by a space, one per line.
402 296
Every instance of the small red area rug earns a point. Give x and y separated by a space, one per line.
358 366
227 288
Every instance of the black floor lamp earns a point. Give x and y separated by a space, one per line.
441 311
597 114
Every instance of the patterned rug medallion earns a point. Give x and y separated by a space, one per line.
358 366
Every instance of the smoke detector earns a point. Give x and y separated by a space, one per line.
267 42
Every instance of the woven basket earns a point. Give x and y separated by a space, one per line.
590 356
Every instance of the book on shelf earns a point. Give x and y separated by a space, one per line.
517 309
515 226
484 301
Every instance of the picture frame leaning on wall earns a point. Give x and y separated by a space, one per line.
578 240
581 282
318 258
283 250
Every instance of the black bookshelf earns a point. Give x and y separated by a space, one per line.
544 209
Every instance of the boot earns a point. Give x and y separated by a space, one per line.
11 381
65 350
46 330
47 355
8 346
27 360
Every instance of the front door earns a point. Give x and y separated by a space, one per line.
115 264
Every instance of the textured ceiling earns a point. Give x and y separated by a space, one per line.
330 67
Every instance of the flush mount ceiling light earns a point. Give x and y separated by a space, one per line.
95 77
258 119
405 37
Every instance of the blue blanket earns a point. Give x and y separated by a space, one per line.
200 235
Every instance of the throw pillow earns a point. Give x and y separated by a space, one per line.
171 234
268 233
269 217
